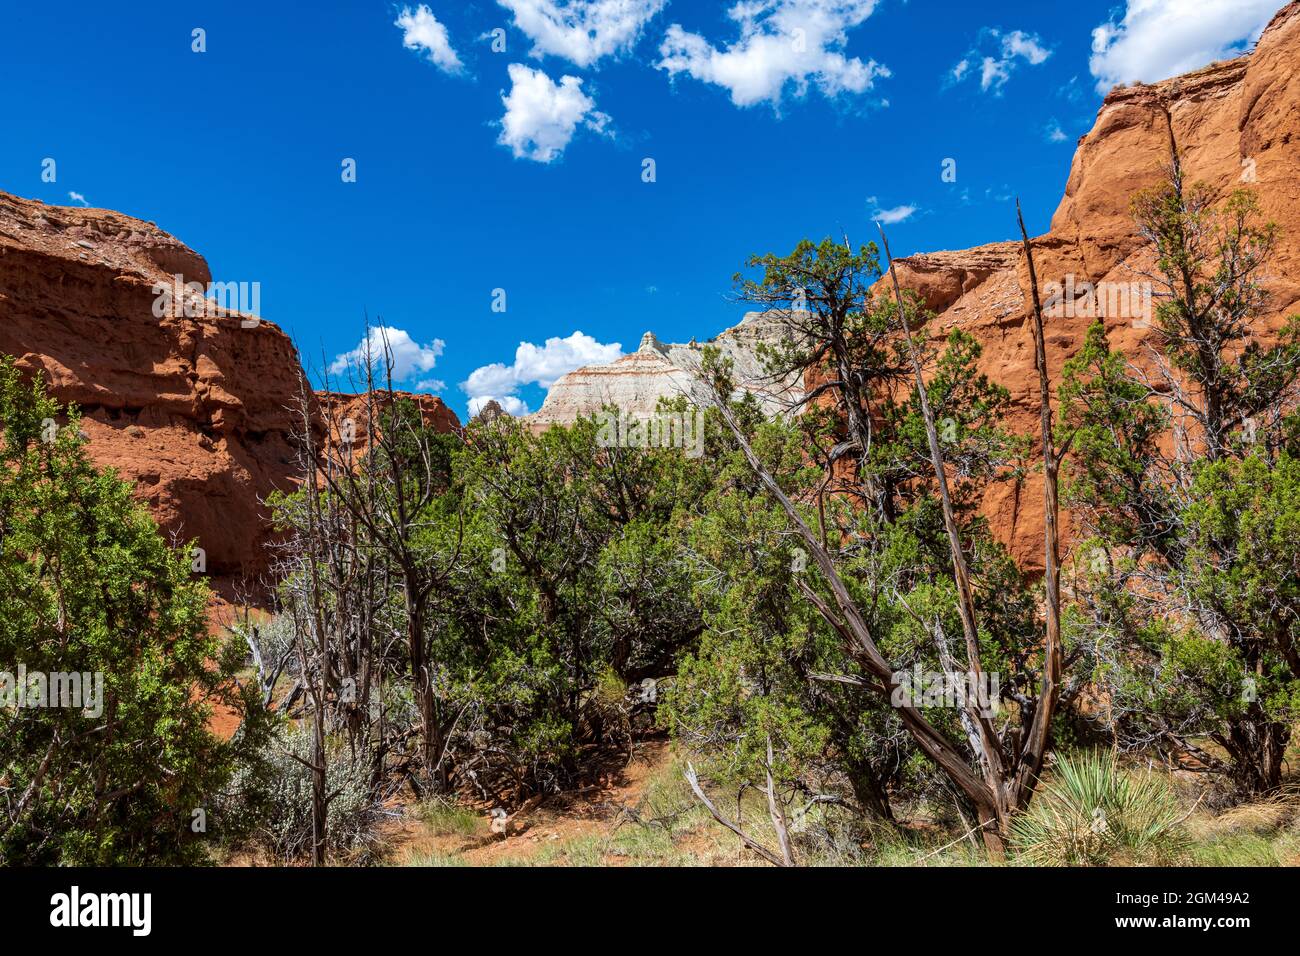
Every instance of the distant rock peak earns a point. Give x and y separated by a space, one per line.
650 343
635 383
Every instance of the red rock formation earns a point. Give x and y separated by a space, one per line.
197 412
1230 119
341 409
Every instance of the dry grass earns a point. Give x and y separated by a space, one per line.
1259 816
652 819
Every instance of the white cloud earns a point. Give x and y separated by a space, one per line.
535 365
581 31
77 197
512 404
431 385
1026 45
422 31
997 65
889 217
542 115
781 42
1054 133
409 357
1158 39
993 73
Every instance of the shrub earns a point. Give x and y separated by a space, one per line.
268 805
1094 813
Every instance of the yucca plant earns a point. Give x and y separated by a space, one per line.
1092 812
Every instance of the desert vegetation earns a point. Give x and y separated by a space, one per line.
810 628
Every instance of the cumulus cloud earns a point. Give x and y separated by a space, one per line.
581 31
1054 133
796 42
542 115
995 57
889 217
422 31
409 357
1158 39
535 365
77 197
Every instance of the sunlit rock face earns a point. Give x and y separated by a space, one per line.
197 407
634 383
1237 125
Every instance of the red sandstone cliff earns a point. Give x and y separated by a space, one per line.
197 412
1230 120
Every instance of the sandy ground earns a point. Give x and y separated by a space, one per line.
596 810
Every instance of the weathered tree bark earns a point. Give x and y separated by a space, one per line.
992 760
777 812
316 678
1035 745
849 622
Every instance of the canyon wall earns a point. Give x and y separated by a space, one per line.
197 412
1237 125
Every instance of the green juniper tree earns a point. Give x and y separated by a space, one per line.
1180 478
88 585
569 592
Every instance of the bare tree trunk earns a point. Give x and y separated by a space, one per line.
317 687
860 644
1004 781
1035 746
693 779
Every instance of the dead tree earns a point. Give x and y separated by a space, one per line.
311 636
775 809
388 496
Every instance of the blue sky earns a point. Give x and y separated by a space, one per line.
480 169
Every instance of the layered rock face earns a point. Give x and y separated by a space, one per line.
198 411
634 383
1236 123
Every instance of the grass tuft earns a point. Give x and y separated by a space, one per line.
444 818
